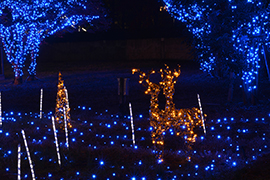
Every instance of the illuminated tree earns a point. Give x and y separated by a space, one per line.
228 35
25 24
182 121
62 109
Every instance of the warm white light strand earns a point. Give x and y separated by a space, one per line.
19 161
56 142
199 101
28 155
66 129
41 98
0 109
132 125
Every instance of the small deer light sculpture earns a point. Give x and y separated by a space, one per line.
182 121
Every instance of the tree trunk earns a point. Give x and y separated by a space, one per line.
18 80
31 77
17 77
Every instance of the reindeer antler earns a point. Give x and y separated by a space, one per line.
168 75
145 77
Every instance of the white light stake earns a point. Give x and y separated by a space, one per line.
132 126
0 110
19 161
40 107
28 155
67 97
56 142
199 101
66 129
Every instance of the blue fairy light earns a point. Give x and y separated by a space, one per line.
32 22
247 37
202 137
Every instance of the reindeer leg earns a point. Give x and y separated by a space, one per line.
158 141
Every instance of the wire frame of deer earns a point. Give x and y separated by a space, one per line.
182 121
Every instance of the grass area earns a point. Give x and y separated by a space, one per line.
237 134
101 148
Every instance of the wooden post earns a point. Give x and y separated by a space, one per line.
123 92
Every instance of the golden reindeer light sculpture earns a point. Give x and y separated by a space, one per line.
182 121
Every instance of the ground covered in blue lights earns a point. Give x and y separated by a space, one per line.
101 148
236 141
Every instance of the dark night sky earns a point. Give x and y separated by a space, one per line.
131 19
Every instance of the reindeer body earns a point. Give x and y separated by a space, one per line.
182 121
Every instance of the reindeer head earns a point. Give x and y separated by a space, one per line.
169 78
152 88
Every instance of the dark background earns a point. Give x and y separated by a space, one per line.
132 19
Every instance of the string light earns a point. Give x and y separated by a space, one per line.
56 142
28 155
40 106
26 24
62 104
246 35
162 120
19 162
132 126
66 92
202 116
218 148
66 128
